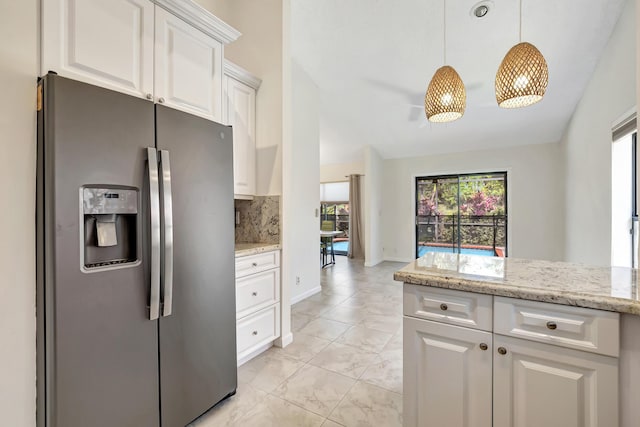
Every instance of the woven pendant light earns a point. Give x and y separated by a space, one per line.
523 76
446 98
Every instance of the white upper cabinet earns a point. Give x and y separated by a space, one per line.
240 113
168 51
106 43
188 67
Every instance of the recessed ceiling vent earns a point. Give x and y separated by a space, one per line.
480 10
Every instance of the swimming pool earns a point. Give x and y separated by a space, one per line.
424 249
341 246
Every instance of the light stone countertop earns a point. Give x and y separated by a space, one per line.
244 249
604 288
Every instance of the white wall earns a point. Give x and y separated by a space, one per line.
534 197
587 146
302 199
259 50
340 171
18 69
220 8
372 210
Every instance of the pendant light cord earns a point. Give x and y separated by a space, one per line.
444 25
520 34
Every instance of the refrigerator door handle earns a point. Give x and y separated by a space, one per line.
167 203
154 200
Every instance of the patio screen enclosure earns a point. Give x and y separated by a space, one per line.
464 213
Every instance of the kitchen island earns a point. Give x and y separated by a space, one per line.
511 342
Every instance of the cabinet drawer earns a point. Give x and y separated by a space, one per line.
257 291
256 263
580 328
257 330
448 306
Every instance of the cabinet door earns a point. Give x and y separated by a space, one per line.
105 43
241 111
188 68
543 385
447 375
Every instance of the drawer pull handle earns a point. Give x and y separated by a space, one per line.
254 264
254 333
255 294
502 350
444 307
552 325
483 346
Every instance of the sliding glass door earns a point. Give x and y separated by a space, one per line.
463 213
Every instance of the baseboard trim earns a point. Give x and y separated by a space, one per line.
255 353
306 294
397 259
372 263
282 342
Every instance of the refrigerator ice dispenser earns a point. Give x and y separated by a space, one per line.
110 227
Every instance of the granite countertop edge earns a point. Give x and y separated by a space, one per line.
486 286
245 249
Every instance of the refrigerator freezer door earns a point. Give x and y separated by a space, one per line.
198 339
167 234
98 350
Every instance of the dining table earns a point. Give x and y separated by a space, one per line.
330 235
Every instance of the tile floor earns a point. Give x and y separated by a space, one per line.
344 367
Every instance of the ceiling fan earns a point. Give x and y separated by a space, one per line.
415 100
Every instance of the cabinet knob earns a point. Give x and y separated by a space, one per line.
483 346
254 333
255 294
161 100
149 96
254 264
552 325
443 307
502 350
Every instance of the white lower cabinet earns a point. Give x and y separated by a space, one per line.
257 303
459 377
544 385
257 330
447 375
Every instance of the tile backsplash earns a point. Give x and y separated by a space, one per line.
259 220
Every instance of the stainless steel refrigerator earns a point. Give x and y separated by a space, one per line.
135 226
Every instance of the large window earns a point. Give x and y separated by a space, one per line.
624 204
462 214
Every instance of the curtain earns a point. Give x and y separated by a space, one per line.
356 240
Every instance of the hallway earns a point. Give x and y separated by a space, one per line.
344 367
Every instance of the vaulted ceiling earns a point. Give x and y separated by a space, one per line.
373 59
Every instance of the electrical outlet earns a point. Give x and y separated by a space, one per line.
297 280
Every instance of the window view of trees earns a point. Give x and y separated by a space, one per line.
339 214
462 213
